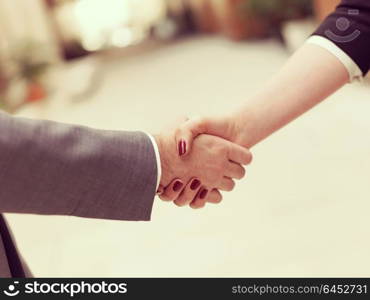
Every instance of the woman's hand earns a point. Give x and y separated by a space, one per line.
228 127
182 194
309 76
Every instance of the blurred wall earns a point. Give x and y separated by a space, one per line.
26 20
95 22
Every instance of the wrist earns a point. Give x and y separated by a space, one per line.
244 125
164 152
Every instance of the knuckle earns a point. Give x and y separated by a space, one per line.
220 157
200 123
248 157
193 205
223 164
231 186
215 178
217 199
242 173
164 197
228 188
179 203
197 204
227 149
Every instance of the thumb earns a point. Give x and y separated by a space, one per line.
187 132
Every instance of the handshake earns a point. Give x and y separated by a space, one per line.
200 158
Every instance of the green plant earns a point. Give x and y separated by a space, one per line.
278 10
28 58
21 74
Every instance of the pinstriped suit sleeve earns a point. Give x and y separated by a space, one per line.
53 168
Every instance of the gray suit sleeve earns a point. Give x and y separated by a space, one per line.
52 168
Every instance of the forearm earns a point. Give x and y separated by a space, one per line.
310 76
54 168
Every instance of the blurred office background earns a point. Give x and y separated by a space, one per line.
137 65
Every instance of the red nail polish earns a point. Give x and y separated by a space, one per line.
182 147
177 186
203 194
195 184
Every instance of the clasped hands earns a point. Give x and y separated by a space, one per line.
200 158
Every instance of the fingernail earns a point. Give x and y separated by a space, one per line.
177 186
203 194
195 184
182 147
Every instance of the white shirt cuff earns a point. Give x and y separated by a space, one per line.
353 69
158 158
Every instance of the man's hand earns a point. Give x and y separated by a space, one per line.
212 164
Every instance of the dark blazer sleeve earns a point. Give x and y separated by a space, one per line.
53 168
357 12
